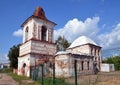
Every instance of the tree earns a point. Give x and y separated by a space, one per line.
62 43
13 55
113 60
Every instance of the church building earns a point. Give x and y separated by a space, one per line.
37 41
38 44
87 54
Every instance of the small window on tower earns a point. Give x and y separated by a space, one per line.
26 33
44 33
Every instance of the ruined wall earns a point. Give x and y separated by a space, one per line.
64 65
30 30
83 49
24 65
89 49
37 47
82 69
96 52
38 23
34 29
61 65
43 48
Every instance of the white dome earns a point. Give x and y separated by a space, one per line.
81 41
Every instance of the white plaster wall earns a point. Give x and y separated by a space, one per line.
69 68
84 49
30 60
48 25
37 47
38 23
96 52
21 61
89 50
62 66
30 30
107 67
43 48
25 48
34 59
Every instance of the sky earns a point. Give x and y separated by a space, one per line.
97 19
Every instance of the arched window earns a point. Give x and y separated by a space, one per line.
44 33
26 33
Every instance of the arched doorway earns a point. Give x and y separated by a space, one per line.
24 66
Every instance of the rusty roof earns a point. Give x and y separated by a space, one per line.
39 14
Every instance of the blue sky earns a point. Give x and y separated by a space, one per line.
97 19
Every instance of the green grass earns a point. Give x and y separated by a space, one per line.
5 70
20 79
47 81
58 81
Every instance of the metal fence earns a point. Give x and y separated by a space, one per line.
111 78
44 75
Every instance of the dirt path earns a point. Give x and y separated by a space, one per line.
7 80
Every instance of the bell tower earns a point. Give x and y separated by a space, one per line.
37 41
38 27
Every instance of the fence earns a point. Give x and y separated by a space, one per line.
44 75
111 78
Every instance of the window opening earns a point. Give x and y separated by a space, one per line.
44 33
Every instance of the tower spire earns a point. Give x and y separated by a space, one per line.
39 12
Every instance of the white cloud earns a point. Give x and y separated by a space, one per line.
4 58
18 33
111 39
74 28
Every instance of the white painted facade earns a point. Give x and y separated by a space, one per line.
107 67
87 54
64 64
37 42
61 66
86 46
34 26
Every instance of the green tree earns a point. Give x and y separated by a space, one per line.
13 55
62 43
113 60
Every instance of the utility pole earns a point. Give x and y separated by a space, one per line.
53 73
42 75
75 69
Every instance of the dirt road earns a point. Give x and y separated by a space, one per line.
7 80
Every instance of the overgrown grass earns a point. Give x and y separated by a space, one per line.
58 81
5 70
22 80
